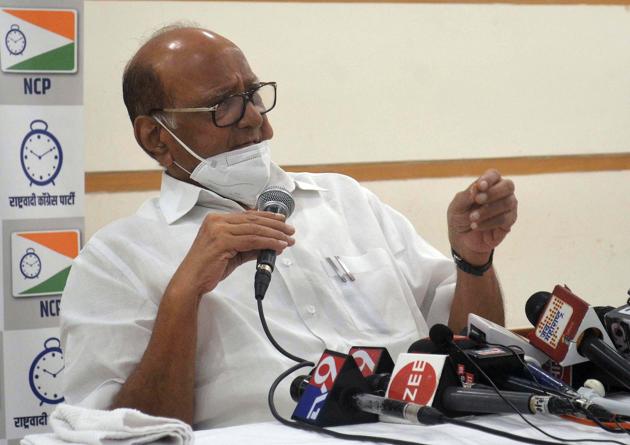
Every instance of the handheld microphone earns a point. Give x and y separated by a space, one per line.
569 331
276 200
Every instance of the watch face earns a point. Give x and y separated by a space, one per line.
15 41
30 265
45 375
41 157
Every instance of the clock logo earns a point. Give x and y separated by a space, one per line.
15 40
43 376
30 264
41 155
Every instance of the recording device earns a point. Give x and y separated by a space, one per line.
276 200
486 331
569 331
495 362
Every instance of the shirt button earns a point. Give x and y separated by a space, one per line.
311 309
287 262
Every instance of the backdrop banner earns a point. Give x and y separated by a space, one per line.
41 201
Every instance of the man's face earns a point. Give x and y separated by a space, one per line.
198 70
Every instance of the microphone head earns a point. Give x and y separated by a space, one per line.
276 199
535 305
440 334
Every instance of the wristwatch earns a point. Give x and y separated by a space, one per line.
464 265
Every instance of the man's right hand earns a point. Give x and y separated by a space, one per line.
224 242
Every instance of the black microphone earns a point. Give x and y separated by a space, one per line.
483 400
570 331
276 200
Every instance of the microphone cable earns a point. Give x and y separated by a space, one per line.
515 409
273 341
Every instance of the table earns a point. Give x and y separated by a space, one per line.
274 433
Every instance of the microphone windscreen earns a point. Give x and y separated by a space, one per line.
535 305
277 197
427 346
440 334
424 346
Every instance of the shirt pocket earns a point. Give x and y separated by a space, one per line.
375 299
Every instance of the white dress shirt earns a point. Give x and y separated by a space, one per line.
402 285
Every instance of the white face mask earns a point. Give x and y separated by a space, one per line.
240 174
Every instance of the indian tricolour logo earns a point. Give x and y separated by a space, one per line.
41 261
38 40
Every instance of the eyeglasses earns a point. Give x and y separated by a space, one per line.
230 110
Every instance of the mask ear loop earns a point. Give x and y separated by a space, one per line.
184 146
182 168
158 119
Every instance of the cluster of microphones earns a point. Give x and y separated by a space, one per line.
572 358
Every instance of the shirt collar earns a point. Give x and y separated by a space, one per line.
177 198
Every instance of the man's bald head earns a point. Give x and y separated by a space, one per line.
151 75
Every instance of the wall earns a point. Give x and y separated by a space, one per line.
407 82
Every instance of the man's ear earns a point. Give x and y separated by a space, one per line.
147 132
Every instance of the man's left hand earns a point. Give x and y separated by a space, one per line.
481 216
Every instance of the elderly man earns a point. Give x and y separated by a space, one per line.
159 312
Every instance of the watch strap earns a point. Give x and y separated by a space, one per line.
465 266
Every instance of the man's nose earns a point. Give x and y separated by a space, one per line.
252 117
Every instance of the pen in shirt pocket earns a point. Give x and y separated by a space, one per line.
345 269
336 269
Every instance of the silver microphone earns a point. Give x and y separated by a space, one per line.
276 200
